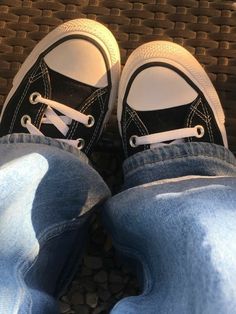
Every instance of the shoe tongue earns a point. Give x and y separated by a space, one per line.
166 119
179 141
68 91
171 119
159 121
197 113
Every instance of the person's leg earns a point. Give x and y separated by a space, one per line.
175 220
48 192
180 231
64 90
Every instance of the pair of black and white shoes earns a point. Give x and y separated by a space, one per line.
68 85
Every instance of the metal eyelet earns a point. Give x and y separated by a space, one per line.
132 141
200 131
81 143
24 120
33 98
91 121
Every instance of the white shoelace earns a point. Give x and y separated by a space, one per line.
173 135
60 122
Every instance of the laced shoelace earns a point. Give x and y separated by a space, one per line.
60 122
172 136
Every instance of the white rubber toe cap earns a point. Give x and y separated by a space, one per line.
80 60
157 88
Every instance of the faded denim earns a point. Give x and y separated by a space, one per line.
48 191
175 222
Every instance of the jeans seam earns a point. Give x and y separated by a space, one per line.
42 240
45 141
132 172
57 230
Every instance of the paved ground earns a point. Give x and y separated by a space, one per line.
102 279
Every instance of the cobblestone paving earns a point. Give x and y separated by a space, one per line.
102 279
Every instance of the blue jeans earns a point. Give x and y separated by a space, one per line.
48 192
175 222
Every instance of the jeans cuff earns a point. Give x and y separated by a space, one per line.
176 160
17 138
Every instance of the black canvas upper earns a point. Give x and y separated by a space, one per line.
52 85
142 123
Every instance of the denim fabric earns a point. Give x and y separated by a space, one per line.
175 222
48 191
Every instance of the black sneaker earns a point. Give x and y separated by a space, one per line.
66 87
165 97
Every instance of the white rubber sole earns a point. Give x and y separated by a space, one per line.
92 29
180 58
